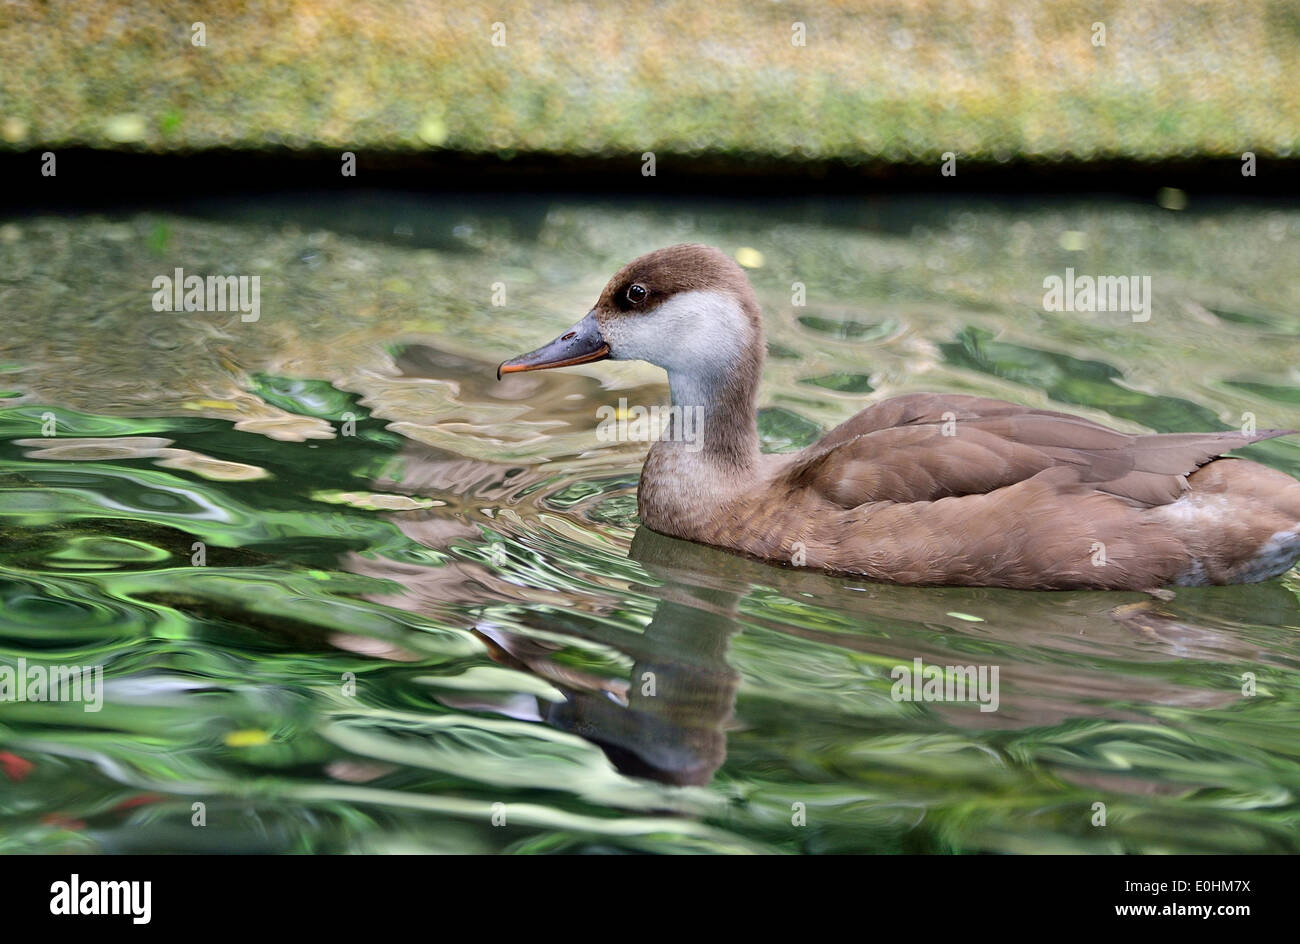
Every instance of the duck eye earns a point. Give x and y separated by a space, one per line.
636 293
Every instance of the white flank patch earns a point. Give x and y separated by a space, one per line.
1196 510
1194 576
1274 557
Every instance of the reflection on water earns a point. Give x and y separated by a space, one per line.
352 594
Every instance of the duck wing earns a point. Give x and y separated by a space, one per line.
923 447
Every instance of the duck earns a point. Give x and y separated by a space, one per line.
924 488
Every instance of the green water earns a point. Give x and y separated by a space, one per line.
351 594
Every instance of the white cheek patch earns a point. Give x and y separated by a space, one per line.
699 333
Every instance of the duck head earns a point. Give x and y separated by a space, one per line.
688 309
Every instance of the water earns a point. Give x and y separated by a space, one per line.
426 619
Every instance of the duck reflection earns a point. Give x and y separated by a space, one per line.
667 713
668 722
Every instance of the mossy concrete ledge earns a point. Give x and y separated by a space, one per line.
848 81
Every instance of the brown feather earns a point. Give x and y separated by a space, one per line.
955 489
988 444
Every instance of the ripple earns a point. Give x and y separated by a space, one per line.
332 564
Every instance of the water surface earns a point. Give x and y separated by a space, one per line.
350 593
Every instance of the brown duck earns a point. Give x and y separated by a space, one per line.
926 488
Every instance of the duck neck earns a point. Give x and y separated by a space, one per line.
713 418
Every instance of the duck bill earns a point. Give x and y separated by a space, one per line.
581 344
